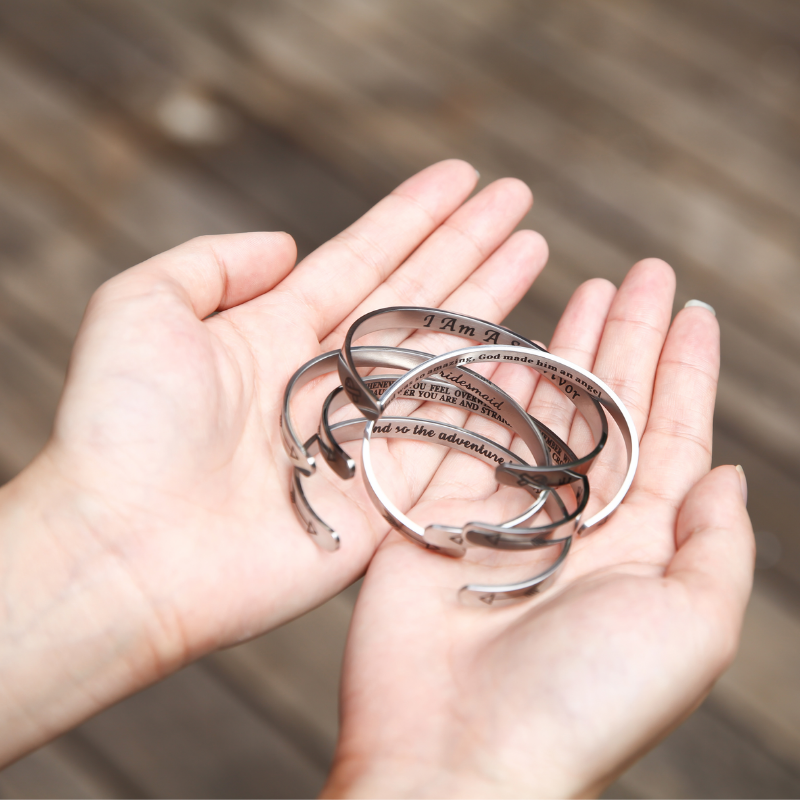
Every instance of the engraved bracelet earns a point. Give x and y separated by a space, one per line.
527 428
471 594
456 540
564 466
578 384
433 319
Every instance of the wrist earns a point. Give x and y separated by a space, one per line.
399 777
76 633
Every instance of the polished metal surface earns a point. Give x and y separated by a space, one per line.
457 439
432 319
447 379
406 428
584 389
323 365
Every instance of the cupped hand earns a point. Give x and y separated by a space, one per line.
556 695
156 525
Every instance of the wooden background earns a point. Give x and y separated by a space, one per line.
663 128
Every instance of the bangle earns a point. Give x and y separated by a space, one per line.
433 319
452 540
583 388
405 428
486 398
322 365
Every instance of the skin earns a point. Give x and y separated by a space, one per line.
556 696
156 525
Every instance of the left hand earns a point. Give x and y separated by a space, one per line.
556 695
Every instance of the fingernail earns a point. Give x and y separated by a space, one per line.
700 304
742 482
477 174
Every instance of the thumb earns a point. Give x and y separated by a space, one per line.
211 273
716 550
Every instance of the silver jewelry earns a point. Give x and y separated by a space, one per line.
322 365
583 388
433 319
486 398
466 441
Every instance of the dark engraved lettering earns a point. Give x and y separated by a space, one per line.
421 430
487 598
490 413
491 336
466 330
466 444
473 390
428 320
448 324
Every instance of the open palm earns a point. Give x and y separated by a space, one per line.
556 695
168 430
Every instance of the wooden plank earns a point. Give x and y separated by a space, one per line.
66 768
188 736
260 169
782 430
708 757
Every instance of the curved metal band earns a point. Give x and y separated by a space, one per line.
478 594
420 430
414 317
471 594
575 382
492 397
564 462
501 537
323 365
544 444
454 540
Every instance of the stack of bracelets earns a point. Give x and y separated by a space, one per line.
433 378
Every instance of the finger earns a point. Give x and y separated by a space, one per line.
716 553
332 281
212 273
576 338
634 334
451 253
492 290
676 446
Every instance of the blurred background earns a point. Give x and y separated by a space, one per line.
644 127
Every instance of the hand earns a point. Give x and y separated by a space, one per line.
555 696
156 525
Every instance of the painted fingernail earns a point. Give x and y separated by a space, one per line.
700 304
742 482
477 174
